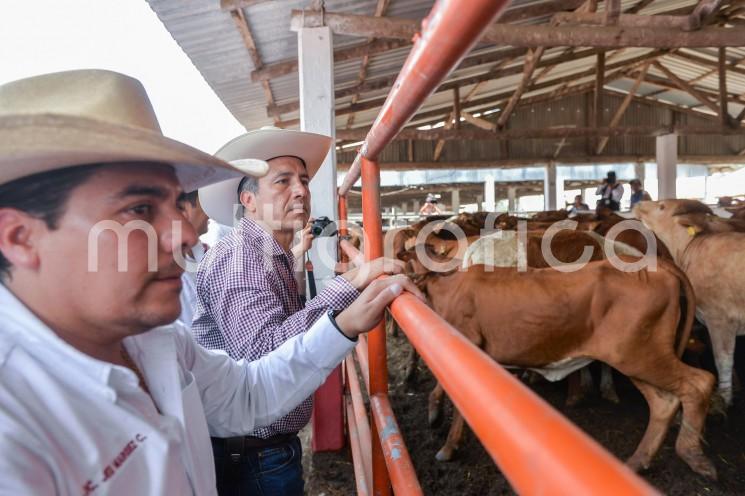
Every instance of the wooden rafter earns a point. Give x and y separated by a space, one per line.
380 9
622 109
452 121
722 69
533 57
683 85
248 40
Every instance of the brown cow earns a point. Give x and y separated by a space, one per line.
711 251
629 320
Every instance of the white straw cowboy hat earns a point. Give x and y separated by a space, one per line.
84 117
219 200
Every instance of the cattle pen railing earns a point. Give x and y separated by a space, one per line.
536 448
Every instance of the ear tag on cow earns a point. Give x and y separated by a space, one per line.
691 231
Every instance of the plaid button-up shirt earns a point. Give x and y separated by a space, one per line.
248 304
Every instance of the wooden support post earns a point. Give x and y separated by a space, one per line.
456 107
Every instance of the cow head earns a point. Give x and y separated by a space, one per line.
675 222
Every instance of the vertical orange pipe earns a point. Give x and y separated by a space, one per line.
377 359
343 231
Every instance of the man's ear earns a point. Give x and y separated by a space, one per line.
18 232
248 200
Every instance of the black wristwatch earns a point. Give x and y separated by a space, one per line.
332 314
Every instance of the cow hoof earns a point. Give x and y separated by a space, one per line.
434 417
638 463
701 465
610 395
718 405
444 455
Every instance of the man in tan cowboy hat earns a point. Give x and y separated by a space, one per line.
98 395
248 302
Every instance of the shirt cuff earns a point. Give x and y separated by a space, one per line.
326 344
338 294
332 314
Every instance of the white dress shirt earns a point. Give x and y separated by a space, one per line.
74 425
189 286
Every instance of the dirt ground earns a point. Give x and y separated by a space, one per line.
617 427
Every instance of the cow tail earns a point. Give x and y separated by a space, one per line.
686 323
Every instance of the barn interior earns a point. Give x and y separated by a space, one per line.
551 96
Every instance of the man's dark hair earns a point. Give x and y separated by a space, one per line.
192 197
44 196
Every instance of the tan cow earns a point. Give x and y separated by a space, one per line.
711 251
629 320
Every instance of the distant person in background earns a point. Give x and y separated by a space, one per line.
578 205
430 206
610 192
199 221
637 193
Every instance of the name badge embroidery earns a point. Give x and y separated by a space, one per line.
108 472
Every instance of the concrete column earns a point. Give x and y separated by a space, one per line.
640 170
316 71
479 202
415 206
404 210
512 199
667 165
560 202
455 200
549 187
489 193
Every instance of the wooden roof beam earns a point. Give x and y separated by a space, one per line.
683 85
543 161
622 109
248 40
533 36
556 132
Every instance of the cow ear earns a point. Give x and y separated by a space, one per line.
693 223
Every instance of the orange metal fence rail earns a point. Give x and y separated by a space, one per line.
538 450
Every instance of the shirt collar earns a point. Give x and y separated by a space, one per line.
255 233
20 325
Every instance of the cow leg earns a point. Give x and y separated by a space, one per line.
662 408
455 435
607 388
391 326
723 348
435 405
693 387
575 391
411 366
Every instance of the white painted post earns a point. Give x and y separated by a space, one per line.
640 170
455 201
316 71
479 202
549 187
489 199
512 199
667 165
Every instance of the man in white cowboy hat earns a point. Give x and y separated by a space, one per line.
248 302
97 394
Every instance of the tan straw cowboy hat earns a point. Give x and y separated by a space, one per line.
219 200
83 117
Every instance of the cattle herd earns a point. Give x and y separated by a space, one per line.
550 294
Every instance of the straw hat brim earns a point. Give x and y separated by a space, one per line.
220 200
31 144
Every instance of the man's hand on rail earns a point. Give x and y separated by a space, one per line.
367 310
360 277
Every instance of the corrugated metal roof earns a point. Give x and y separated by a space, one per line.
209 37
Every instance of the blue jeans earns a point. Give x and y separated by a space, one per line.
272 471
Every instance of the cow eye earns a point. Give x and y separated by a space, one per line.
662 206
